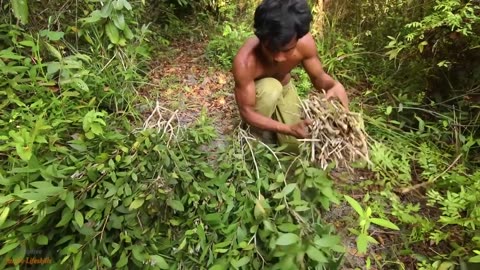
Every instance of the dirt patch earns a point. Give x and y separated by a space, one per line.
184 81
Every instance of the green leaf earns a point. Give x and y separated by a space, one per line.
316 255
105 261
137 252
119 21
66 217
24 151
126 4
20 10
8 247
362 243
69 200
122 261
159 261
474 259
79 218
53 67
112 32
94 17
54 51
355 205
80 84
4 215
137 203
176 205
128 32
42 240
327 241
287 239
95 203
52 35
287 227
243 261
118 5
384 223
389 110
288 189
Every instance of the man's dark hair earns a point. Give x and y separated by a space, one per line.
277 22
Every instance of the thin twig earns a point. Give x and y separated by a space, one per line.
417 186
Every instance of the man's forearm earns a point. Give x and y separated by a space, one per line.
324 82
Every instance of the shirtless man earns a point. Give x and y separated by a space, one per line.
265 95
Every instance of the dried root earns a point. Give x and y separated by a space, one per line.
164 121
336 135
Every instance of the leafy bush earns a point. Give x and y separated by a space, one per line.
223 48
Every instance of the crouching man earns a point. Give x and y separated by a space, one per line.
264 92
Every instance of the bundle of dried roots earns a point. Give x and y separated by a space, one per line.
336 135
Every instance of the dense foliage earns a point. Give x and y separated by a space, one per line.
84 183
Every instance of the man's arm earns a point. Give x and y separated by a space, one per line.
320 79
246 100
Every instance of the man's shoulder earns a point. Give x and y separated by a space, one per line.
245 59
307 47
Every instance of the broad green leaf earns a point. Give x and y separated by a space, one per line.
474 259
66 217
327 241
118 5
288 189
137 252
119 21
137 203
287 227
80 84
159 261
94 17
107 10
8 247
70 200
241 262
105 261
176 205
355 205
24 151
362 243
20 10
79 218
54 51
112 32
287 239
126 4
42 240
27 43
384 223
95 203
53 67
122 261
316 255
52 35
128 32
8 54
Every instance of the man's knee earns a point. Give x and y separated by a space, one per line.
268 88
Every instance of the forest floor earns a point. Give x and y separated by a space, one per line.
182 79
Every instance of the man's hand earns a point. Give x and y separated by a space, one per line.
339 92
299 130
